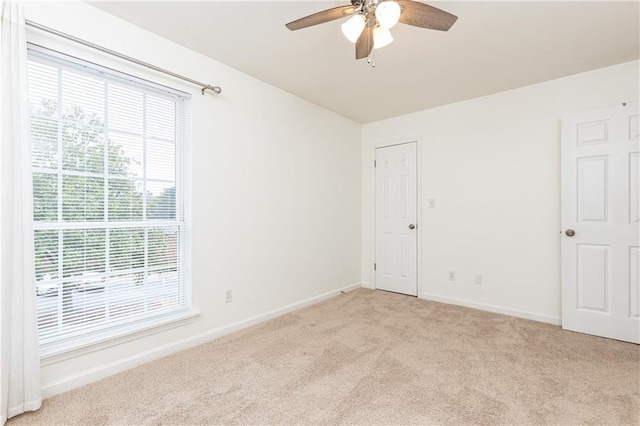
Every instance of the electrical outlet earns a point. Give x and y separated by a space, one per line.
452 276
477 279
228 296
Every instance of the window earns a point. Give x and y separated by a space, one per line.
111 239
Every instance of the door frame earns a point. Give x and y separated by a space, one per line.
372 212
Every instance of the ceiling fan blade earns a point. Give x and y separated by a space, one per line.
364 45
425 16
321 17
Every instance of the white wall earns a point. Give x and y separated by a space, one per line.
493 166
278 185
276 190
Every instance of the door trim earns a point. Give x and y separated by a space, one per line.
372 212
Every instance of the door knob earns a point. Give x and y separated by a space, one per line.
412 226
570 232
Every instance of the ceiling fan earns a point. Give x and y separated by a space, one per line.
371 20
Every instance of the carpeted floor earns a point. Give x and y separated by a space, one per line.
369 357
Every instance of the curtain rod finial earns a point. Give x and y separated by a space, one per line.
215 89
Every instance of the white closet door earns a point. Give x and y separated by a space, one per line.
600 219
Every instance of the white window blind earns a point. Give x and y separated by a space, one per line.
109 190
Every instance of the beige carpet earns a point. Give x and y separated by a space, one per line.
372 357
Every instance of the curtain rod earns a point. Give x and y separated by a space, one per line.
215 89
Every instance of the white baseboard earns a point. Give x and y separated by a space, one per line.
368 285
491 308
105 370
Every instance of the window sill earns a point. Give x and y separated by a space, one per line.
60 351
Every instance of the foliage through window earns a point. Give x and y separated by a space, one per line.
108 192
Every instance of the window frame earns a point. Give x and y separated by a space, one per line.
57 347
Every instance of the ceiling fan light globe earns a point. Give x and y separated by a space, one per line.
353 28
381 37
388 13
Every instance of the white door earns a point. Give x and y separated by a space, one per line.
396 212
600 220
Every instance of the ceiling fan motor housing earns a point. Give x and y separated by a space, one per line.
366 7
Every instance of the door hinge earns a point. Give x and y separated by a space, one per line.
374 163
374 266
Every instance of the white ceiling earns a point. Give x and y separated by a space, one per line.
494 46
